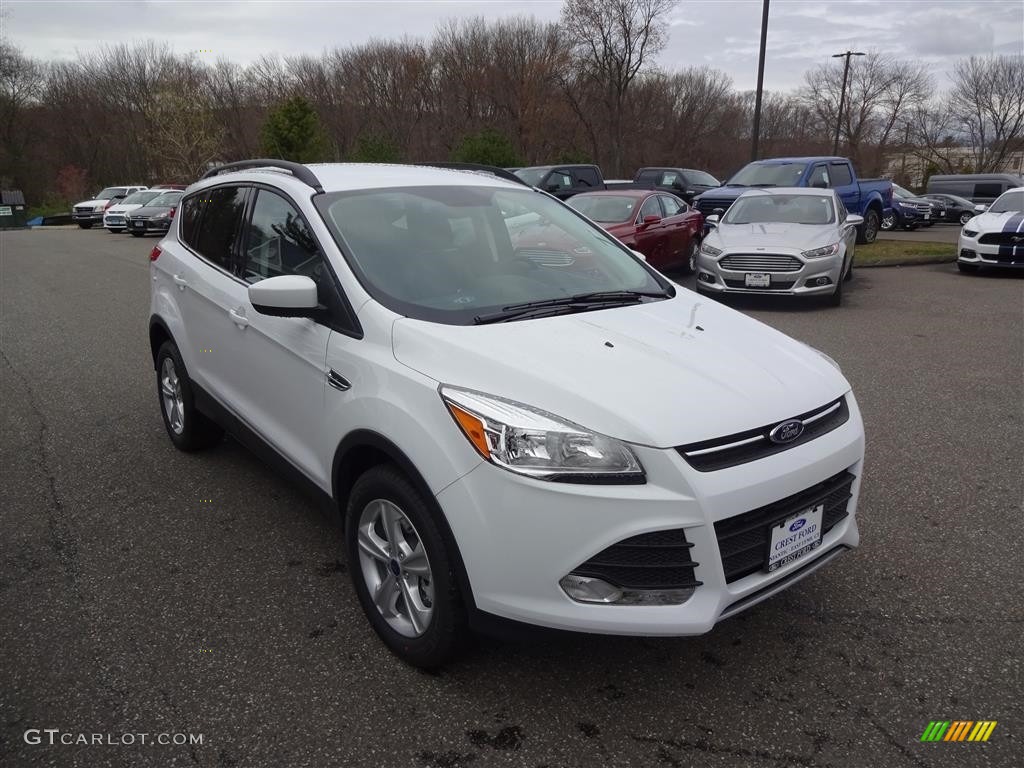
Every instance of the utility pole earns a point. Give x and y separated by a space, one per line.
842 93
760 82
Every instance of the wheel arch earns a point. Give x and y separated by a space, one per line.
158 334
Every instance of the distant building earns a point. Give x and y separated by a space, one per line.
913 169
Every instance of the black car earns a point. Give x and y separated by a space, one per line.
910 211
686 183
958 209
156 216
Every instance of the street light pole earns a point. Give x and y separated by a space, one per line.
760 82
842 93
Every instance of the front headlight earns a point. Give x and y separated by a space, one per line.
710 250
817 253
538 444
161 215
970 232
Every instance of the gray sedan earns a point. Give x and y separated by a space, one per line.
791 241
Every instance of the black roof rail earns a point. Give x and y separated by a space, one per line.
501 173
298 170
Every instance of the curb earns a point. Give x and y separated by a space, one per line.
922 262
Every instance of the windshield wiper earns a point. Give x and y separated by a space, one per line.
765 184
577 301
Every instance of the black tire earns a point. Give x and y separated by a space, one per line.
448 631
970 268
690 267
197 431
849 272
966 216
836 298
867 232
85 224
138 234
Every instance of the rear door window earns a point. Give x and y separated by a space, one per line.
191 207
840 174
650 208
219 226
671 205
587 177
819 177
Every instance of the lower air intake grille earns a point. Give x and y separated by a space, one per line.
776 285
743 539
650 561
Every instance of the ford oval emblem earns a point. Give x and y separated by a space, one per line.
787 431
797 525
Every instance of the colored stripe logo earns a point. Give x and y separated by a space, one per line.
959 730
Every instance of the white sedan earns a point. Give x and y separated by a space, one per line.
994 238
791 241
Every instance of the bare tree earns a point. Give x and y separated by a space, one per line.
987 103
613 41
20 81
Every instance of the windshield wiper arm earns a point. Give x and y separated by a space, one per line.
577 301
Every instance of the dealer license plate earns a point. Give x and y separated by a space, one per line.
757 280
139 224
794 537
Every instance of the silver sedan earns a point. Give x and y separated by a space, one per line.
789 241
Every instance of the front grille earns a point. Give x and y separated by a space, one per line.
650 561
113 219
84 209
1016 256
761 262
777 285
753 444
921 208
743 539
543 257
708 206
1003 238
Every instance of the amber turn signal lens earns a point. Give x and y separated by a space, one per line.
473 428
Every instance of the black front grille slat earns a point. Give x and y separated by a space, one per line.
776 285
651 561
743 539
727 456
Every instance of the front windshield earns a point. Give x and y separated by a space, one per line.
532 176
607 209
702 179
451 253
769 175
899 191
781 209
140 198
110 193
165 200
1009 201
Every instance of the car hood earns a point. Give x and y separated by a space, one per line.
800 236
151 210
664 373
123 207
724 192
95 202
1008 221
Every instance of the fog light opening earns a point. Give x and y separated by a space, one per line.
585 589
823 280
704 277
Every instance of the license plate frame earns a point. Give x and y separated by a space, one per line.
757 279
806 537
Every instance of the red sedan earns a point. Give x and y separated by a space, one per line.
659 225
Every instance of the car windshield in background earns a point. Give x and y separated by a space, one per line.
532 176
109 193
899 191
165 200
605 208
772 175
455 254
140 198
1009 201
781 209
703 179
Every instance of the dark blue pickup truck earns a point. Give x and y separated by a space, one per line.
870 198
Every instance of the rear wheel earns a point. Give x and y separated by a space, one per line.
403 572
85 224
188 429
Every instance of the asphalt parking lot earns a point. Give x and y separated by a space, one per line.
147 591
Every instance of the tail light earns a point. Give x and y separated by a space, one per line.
171 214
155 253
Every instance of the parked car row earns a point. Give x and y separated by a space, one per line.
122 208
564 181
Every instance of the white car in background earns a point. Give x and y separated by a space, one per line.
89 212
994 238
115 217
785 240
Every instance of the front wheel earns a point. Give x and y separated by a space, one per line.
965 217
404 574
868 231
836 298
888 222
691 257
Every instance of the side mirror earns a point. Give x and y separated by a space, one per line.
712 220
854 220
638 254
285 296
718 212
980 208
649 220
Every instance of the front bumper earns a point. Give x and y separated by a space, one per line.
816 277
115 221
519 537
148 226
970 251
87 216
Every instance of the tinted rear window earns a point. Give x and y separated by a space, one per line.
219 225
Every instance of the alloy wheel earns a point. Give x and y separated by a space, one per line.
173 402
965 217
691 262
888 222
395 567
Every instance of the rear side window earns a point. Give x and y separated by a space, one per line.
587 177
650 208
190 209
219 228
671 205
840 173
648 177
819 177
988 190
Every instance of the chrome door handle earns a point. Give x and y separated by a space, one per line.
238 318
179 281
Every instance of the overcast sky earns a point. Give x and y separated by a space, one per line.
719 33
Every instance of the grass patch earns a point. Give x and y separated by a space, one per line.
883 252
48 209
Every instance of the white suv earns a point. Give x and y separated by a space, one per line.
521 423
